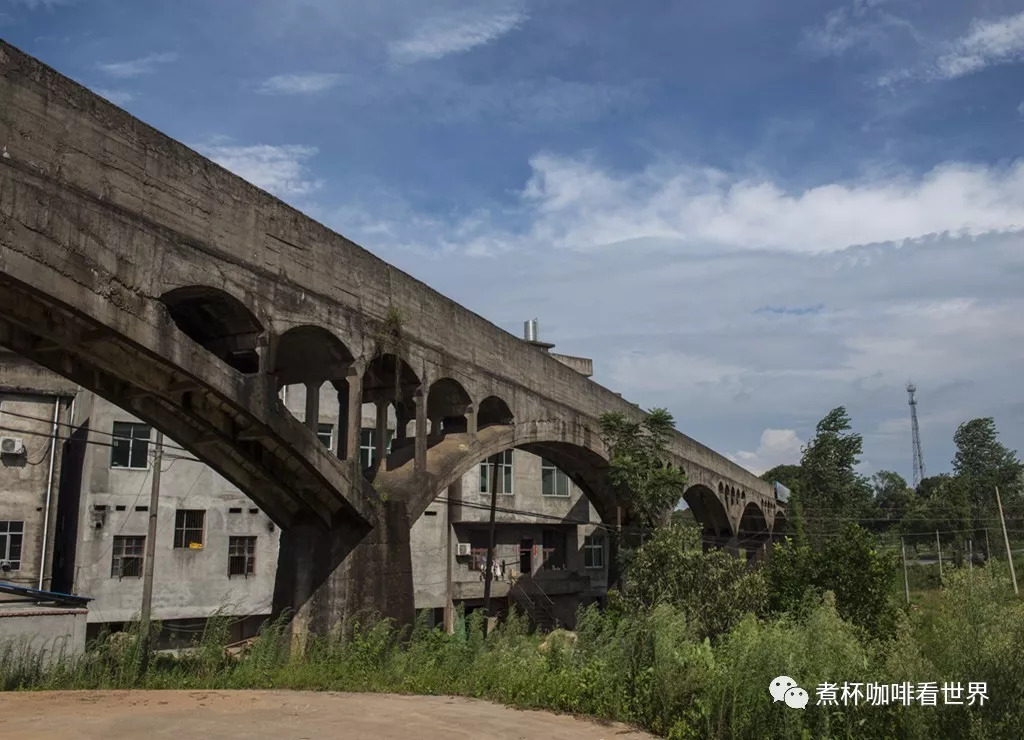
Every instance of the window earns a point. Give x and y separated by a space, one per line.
325 433
554 549
593 551
130 445
127 558
504 462
11 534
188 528
553 481
367 446
241 556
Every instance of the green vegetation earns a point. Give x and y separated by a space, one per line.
649 666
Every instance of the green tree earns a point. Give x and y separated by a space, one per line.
831 490
787 475
713 589
892 496
638 466
981 463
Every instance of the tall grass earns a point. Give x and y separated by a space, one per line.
646 667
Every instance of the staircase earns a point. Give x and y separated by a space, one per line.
536 604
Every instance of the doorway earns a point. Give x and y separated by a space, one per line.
526 557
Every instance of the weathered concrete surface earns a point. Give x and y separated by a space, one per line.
57 634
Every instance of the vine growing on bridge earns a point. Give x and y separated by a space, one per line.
390 339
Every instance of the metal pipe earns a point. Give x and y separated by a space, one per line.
49 492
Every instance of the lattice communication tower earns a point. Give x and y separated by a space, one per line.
918 458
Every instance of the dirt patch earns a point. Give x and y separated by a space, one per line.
282 715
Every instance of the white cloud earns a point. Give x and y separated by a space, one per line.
48 4
777 447
861 24
299 84
136 67
988 42
452 34
281 170
580 206
117 97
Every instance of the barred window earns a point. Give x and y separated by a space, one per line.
128 555
188 528
241 556
130 445
11 534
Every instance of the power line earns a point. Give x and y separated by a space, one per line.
73 426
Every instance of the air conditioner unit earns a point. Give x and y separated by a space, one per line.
463 548
12 446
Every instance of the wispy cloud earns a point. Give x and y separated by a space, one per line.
863 23
136 67
281 170
117 97
792 310
299 84
988 42
48 4
441 36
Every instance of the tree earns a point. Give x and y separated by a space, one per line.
638 469
830 488
892 496
982 463
713 589
787 475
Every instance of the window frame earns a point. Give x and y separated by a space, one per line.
119 553
507 472
323 429
7 535
559 475
248 555
132 441
370 433
589 548
183 525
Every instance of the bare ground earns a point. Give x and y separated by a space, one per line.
281 715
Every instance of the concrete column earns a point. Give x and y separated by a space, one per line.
326 577
402 418
421 431
471 428
312 406
435 425
343 438
454 494
355 414
380 436
733 546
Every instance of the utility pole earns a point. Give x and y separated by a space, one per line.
916 436
147 571
906 581
490 540
1006 539
938 549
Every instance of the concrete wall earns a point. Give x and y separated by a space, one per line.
28 391
57 633
187 583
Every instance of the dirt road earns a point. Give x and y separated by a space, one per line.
281 715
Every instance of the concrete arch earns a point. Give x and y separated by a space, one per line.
389 377
448 403
709 511
493 410
753 532
575 449
217 321
307 354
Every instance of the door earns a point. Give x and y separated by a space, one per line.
526 557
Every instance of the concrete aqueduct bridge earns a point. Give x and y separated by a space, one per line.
157 279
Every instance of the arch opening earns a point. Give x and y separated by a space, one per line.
310 354
447 405
493 411
753 531
710 513
219 323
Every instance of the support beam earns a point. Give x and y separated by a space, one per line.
471 423
312 406
420 464
380 438
355 414
343 430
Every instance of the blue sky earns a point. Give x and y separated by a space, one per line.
746 212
